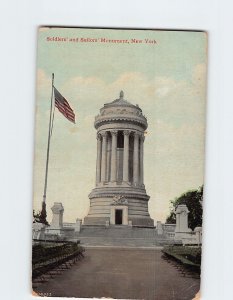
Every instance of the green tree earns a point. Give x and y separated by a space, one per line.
193 199
36 217
40 217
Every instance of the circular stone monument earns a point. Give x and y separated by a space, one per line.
119 197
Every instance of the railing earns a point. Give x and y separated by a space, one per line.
69 225
188 256
48 256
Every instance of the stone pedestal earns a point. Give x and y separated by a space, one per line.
182 218
57 220
182 228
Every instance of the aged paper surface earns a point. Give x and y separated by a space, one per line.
119 157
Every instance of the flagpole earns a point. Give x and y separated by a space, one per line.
43 211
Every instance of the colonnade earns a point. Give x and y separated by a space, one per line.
103 138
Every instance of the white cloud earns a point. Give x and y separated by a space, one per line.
43 81
43 87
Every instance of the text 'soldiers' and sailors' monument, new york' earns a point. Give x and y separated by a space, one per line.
119 197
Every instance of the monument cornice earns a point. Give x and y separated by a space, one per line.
118 119
139 197
108 194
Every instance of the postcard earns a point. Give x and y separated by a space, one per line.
119 163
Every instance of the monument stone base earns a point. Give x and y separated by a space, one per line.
119 206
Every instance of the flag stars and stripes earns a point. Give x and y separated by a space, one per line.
63 106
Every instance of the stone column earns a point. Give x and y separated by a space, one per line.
104 156
114 156
142 138
108 163
98 160
136 159
126 156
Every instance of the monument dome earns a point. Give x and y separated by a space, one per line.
119 197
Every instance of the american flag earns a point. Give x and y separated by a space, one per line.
63 106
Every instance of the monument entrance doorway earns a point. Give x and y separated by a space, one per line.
118 216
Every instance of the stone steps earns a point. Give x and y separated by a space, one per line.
120 236
120 242
117 232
